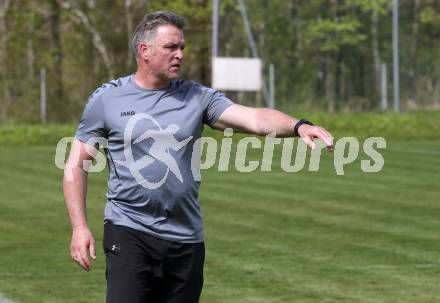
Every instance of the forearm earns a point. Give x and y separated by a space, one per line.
259 121
269 121
264 121
75 192
273 121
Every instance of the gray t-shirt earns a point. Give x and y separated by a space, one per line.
150 136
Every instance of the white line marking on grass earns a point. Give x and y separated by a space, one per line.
5 300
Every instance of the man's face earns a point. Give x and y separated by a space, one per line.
165 57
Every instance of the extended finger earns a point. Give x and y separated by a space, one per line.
326 137
328 134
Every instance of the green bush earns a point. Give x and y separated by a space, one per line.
25 135
394 126
391 126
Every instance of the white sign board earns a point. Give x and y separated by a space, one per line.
242 74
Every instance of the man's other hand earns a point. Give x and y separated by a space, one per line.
82 246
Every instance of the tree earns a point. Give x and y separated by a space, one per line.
4 6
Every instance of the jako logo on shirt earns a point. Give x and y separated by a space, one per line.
129 113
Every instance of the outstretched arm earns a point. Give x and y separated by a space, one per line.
75 192
263 121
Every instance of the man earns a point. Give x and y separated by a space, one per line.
153 233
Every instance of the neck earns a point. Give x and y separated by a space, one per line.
147 80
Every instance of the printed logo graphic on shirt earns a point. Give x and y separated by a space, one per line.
128 113
163 141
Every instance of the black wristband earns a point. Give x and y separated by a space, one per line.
298 124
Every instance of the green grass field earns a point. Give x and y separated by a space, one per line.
270 236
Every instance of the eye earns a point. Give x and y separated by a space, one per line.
174 47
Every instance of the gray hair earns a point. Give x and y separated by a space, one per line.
147 28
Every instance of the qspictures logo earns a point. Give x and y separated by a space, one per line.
164 142
163 145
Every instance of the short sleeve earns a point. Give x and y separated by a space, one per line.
92 121
215 104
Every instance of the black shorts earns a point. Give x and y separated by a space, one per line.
143 269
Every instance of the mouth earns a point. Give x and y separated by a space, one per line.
177 65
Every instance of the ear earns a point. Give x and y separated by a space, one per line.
144 51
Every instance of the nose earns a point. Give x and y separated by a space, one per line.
179 54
